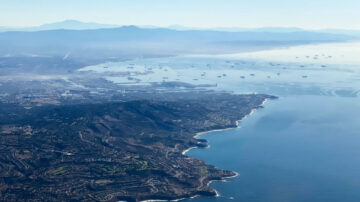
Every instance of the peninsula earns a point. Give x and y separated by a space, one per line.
130 150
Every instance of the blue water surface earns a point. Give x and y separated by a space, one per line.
303 147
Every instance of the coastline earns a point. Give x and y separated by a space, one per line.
188 149
237 123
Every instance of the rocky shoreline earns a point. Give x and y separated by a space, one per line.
130 151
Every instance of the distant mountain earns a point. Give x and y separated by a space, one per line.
67 24
78 25
132 41
237 29
342 31
267 29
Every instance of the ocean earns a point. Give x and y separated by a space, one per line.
304 146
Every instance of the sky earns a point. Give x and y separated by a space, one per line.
308 14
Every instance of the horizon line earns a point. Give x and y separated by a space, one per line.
173 26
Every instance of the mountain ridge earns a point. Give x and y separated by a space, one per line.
80 25
133 41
